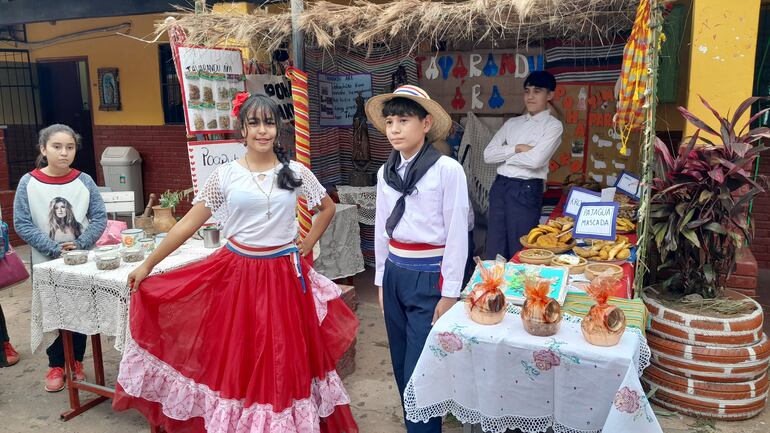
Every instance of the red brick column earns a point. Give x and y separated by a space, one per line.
760 216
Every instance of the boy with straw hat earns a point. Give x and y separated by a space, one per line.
421 238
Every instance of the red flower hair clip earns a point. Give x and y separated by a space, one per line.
240 98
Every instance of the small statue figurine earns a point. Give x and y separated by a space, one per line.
398 78
360 149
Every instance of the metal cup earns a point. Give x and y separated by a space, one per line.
210 237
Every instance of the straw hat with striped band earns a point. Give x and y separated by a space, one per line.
442 123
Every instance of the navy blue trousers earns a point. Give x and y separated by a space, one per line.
514 209
409 299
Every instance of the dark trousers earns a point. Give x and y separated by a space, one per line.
409 300
56 350
514 209
3 338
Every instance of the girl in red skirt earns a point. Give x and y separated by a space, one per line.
248 339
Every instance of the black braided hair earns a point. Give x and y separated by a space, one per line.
263 106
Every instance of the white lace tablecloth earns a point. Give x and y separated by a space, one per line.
503 378
89 301
340 246
365 197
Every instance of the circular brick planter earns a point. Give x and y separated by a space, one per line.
709 367
700 330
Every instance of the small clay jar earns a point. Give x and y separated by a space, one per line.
541 318
604 325
490 311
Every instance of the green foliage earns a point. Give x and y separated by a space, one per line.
700 199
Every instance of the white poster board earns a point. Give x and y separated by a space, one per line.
577 196
597 221
206 156
628 184
337 97
210 78
277 87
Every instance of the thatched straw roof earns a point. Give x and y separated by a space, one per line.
362 24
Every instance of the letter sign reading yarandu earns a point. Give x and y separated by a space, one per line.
596 221
577 196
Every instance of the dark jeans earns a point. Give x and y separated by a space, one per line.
514 209
409 300
56 350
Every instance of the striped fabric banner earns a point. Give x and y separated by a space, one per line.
331 152
299 96
571 63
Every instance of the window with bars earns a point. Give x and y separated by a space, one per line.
171 94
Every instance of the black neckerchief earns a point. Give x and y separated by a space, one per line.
424 160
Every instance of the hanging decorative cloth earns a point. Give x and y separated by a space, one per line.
633 92
299 97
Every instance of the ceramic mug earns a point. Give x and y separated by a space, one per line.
130 237
210 236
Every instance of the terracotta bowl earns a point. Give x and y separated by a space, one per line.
573 269
536 256
592 270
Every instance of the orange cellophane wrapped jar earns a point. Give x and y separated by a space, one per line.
486 302
604 324
540 314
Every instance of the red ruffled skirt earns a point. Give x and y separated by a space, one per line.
238 344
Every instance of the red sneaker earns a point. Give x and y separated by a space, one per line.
54 380
80 374
11 355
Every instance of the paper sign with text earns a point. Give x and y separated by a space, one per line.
210 78
206 156
597 221
628 184
577 196
277 87
337 97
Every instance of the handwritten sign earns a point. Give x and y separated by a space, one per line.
210 79
628 184
577 196
206 156
277 87
337 97
597 221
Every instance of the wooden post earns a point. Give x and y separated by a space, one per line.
297 36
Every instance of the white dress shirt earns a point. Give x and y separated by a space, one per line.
541 131
436 214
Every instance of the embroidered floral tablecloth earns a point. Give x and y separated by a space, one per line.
503 378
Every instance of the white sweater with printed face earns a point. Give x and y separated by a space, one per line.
49 211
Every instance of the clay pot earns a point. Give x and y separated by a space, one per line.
603 325
490 312
541 319
144 223
163 219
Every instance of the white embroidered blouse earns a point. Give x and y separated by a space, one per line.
240 208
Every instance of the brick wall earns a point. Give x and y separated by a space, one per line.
164 155
761 218
6 195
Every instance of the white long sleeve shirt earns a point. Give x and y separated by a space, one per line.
436 214
541 131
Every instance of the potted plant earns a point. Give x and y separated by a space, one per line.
163 214
701 334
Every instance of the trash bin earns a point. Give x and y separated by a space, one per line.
122 167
